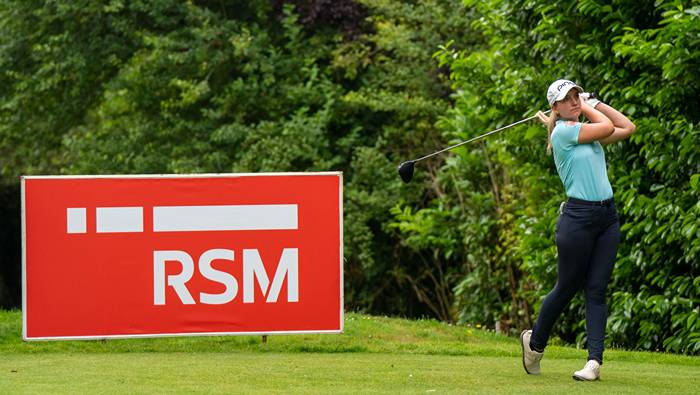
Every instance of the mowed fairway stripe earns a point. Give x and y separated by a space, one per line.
323 373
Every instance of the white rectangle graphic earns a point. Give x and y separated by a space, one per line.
238 217
119 219
76 220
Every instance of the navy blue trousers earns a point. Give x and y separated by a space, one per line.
587 236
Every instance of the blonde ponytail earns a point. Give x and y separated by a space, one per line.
550 121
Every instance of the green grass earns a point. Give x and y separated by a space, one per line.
374 355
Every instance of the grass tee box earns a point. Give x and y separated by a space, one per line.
375 355
142 256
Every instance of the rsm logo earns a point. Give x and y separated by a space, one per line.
201 219
253 271
112 256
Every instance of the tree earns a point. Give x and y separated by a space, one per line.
643 59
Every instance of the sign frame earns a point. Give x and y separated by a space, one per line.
25 178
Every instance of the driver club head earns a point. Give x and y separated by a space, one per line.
406 170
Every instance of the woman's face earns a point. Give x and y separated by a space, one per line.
570 106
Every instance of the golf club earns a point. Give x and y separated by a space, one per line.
406 168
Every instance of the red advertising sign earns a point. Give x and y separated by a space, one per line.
142 256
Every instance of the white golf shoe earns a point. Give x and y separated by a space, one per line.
531 358
590 372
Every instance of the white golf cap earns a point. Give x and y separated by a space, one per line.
558 90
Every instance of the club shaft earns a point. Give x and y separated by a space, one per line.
477 137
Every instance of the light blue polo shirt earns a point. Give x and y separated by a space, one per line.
581 167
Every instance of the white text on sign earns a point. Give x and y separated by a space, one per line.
253 269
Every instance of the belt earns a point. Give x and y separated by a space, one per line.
602 203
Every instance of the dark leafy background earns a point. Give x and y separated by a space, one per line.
165 86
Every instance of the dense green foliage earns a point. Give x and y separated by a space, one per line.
642 58
168 86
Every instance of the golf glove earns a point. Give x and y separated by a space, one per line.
589 98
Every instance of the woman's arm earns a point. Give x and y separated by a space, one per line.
600 127
623 126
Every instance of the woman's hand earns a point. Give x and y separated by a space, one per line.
590 99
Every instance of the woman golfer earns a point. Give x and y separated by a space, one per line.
588 230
